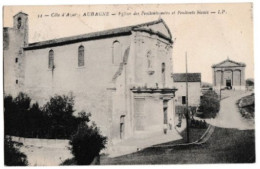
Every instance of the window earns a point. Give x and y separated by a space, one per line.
163 74
51 59
16 60
165 112
122 126
116 55
183 99
81 56
19 23
16 81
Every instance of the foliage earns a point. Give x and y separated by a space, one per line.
209 105
249 82
206 85
12 155
198 124
54 120
70 161
87 144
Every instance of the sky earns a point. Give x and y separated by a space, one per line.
207 38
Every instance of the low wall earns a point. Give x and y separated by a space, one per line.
50 143
44 152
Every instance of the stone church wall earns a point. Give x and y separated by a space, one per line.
88 83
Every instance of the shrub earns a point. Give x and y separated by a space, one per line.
209 105
54 120
12 155
198 124
87 144
249 82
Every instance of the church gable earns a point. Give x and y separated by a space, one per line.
229 63
160 27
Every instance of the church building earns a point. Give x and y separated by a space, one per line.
121 76
229 74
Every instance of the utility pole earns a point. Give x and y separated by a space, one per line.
187 102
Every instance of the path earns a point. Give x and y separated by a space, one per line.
229 115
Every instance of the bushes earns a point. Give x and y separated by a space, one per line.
54 120
12 155
87 144
198 124
209 105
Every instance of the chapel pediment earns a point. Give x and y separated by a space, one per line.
228 63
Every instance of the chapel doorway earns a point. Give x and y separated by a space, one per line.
228 83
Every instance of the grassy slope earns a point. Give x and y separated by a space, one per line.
224 146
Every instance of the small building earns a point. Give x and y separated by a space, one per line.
194 88
229 74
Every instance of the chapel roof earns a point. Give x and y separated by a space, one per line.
102 34
181 77
228 63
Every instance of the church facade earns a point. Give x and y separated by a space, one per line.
229 74
121 76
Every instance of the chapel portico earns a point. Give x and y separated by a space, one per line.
229 74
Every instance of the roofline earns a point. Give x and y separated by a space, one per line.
187 73
189 81
103 34
49 43
239 64
214 66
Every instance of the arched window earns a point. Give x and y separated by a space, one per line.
51 59
19 23
116 58
81 61
163 74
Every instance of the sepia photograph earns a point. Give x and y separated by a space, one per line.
128 84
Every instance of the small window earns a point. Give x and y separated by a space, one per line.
122 126
19 23
163 74
183 99
51 59
116 55
16 60
16 81
81 56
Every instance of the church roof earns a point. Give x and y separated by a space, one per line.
181 77
102 34
228 63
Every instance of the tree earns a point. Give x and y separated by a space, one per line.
249 82
54 120
59 111
209 105
12 154
87 143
